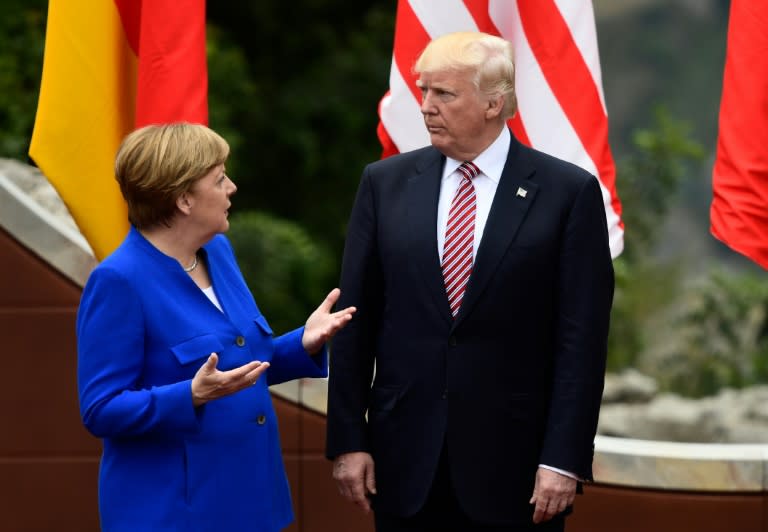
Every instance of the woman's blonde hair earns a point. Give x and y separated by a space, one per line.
158 163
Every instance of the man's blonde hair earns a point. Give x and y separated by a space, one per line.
489 57
158 163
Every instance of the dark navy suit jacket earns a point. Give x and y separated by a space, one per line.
516 379
144 328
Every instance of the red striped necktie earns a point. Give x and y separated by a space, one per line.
460 237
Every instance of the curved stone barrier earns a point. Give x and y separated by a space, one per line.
32 213
630 462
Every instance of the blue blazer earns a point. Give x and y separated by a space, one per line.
516 379
144 329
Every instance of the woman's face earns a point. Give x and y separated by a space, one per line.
209 201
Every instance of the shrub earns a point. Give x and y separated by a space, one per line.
287 272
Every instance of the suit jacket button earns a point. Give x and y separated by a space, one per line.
240 341
261 419
452 341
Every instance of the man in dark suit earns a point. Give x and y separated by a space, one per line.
465 394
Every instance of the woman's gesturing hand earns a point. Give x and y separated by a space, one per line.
209 383
323 324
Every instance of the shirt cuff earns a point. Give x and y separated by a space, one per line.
565 473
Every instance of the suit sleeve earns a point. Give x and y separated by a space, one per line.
586 283
110 347
290 361
353 348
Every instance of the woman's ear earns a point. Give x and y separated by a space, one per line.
184 203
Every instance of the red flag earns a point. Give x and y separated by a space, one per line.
169 41
739 213
110 66
559 85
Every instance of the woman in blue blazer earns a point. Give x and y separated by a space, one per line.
175 358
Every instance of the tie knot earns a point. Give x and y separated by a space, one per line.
469 170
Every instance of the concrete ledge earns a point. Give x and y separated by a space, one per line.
52 239
681 466
647 464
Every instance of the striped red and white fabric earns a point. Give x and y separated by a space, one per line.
460 237
558 80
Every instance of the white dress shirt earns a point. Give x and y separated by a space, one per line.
491 164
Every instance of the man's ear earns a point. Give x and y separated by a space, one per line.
184 203
495 106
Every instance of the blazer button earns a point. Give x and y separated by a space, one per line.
261 419
452 341
240 341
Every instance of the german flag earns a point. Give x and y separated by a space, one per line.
111 66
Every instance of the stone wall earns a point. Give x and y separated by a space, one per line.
633 408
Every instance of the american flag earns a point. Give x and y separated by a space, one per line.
558 81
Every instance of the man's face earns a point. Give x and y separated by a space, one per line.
454 113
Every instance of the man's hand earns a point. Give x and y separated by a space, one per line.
354 476
552 494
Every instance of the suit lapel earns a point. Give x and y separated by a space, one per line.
423 190
514 196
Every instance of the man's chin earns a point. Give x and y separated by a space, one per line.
438 140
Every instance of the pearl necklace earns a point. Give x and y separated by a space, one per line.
193 266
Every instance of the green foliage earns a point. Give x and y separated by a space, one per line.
650 177
21 61
694 334
641 290
319 68
231 87
661 51
647 182
718 336
289 274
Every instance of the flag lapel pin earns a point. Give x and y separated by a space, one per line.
521 192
